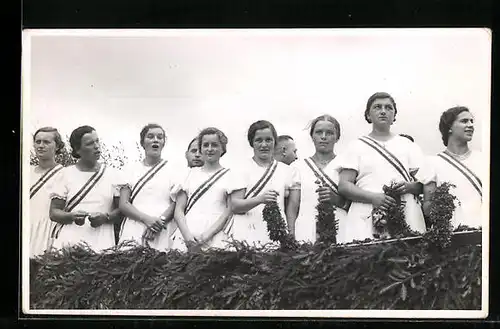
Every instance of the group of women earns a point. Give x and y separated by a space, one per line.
158 206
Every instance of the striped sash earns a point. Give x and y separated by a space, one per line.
44 179
464 170
146 178
200 191
321 175
255 190
203 188
391 158
79 196
325 179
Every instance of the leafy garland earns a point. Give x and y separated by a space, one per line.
277 228
441 212
396 275
326 223
391 223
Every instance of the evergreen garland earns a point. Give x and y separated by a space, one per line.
391 223
276 226
441 213
326 223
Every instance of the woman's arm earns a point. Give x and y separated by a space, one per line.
241 206
179 216
292 204
130 211
351 191
217 226
58 215
428 191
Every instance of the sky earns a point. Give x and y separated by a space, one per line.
118 81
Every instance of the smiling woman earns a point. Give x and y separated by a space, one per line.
202 205
262 180
459 165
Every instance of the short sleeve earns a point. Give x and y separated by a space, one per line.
349 159
427 172
179 183
59 188
416 157
236 181
116 179
293 179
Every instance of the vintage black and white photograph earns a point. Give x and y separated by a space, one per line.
256 172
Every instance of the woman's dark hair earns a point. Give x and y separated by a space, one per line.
191 143
146 128
57 137
75 140
259 125
325 117
446 121
214 131
378 95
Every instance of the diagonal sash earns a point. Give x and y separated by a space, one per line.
464 170
255 190
79 196
146 178
321 175
203 188
44 179
325 179
391 158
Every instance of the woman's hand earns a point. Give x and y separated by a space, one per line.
193 244
154 224
383 201
402 188
326 194
78 217
269 196
97 219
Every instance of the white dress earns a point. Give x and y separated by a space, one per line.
374 171
305 226
40 225
153 199
251 227
468 211
99 199
207 209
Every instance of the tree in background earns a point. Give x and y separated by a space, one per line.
114 155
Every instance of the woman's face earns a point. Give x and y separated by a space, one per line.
263 144
211 148
45 145
324 136
462 128
90 149
153 143
382 112
193 155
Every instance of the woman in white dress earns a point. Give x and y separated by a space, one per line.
193 155
376 160
82 197
458 165
262 180
202 205
47 143
319 178
145 193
